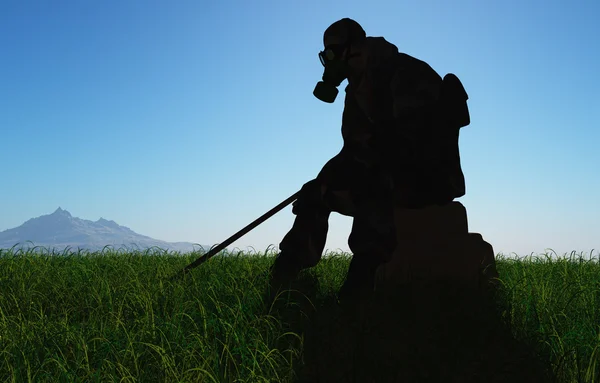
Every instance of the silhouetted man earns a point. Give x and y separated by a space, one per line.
400 149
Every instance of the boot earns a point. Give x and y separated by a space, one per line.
360 280
282 273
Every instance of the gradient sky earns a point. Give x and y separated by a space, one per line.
186 120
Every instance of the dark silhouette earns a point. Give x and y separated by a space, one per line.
400 127
420 302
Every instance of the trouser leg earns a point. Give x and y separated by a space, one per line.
372 242
302 247
350 191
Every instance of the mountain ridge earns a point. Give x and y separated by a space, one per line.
60 230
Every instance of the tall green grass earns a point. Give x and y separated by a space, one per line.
113 316
555 302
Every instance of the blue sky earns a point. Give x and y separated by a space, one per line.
187 120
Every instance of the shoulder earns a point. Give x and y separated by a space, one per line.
409 69
405 62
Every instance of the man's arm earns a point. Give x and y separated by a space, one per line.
415 89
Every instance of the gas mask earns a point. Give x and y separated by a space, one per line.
336 71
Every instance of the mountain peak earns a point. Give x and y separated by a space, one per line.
60 211
107 222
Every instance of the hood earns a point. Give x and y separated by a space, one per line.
378 51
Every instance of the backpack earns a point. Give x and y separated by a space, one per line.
454 115
453 102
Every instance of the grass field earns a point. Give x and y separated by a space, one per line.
112 316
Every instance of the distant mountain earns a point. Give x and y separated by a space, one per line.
60 229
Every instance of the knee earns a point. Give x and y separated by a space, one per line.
310 199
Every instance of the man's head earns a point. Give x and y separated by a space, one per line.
337 40
343 31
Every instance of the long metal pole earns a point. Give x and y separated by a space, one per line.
236 236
